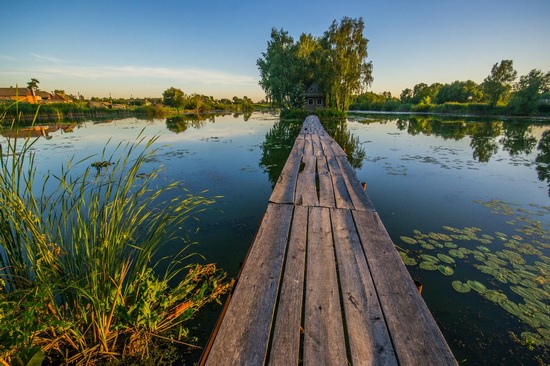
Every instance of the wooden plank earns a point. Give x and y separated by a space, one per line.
356 192
416 337
285 346
306 186
308 146
326 192
369 340
286 183
317 148
338 151
244 332
341 194
324 342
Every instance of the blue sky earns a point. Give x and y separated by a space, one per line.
140 48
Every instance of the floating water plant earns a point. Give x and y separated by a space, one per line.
446 270
516 265
461 287
407 240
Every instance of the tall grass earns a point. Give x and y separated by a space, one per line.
77 280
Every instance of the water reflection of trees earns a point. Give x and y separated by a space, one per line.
483 140
181 123
338 130
543 159
279 141
276 147
516 137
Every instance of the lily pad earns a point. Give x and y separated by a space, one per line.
494 296
445 258
452 229
510 307
408 261
456 253
429 258
477 286
450 245
408 240
428 265
464 251
446 270
483 249
461 287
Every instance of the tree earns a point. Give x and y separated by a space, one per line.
498 85
173 97
33 84
279 68
345 70
336 61
528 91
459 92
406 95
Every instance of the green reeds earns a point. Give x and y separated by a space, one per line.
76 271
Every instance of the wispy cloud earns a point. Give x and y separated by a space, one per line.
191 75
54 60
7 58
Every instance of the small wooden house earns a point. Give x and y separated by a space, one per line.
315 98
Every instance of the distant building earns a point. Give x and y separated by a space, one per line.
315 98
25 95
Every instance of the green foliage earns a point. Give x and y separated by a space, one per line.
459 92
76 252
498 85
336 61
280 68
174 97
530 88
344 68
290 114
33 84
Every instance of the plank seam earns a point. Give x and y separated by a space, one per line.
279 289
375 287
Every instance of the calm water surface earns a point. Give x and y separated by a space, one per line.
429 178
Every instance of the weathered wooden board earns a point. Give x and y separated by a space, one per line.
306 186
286 184
356 192
244 333
369 340
326 191
341 194
317 147
415 334
285 347
324 342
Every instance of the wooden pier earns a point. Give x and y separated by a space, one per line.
323 283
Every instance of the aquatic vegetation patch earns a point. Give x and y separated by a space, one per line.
514 267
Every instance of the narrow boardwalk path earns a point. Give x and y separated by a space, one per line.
323 283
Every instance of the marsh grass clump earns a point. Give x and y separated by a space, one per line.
77 279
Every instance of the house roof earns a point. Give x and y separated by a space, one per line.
314 91
44 94
13 91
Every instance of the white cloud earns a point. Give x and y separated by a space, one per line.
54 60
7 58
190 75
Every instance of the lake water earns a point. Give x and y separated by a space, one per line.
466 201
